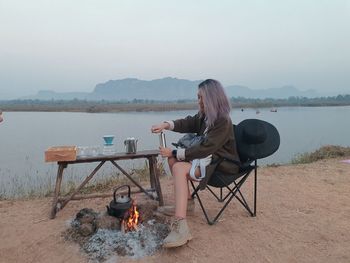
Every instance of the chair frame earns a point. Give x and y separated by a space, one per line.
233 192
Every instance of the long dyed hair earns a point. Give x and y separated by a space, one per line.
216 103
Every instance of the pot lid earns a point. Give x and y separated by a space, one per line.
123 199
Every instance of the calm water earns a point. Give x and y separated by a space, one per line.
24 136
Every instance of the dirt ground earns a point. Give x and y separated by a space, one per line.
303 215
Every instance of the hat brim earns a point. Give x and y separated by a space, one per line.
252 151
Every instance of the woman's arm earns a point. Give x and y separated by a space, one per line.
190 124
215 139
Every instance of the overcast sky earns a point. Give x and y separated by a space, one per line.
71 45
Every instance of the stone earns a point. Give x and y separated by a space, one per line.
86 215
86 229
105 221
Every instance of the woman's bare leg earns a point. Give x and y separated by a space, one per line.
171 162
180 171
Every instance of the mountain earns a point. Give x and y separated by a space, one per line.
158 89
164 89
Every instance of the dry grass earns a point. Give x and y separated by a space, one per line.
325 152
31 187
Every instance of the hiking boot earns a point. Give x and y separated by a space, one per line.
179 235
169 210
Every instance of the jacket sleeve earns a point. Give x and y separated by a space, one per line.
190 124
216 137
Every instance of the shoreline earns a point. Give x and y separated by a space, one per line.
323 153
98 107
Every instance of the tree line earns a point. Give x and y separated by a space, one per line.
155 105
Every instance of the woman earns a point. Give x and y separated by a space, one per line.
197 162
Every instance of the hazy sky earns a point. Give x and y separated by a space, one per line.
71 45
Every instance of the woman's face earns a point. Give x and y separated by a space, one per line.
200 102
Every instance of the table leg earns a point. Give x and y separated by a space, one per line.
154 173
131 179
57 190
87 179
151 174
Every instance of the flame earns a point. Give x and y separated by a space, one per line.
130 223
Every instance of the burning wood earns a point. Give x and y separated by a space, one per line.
132 218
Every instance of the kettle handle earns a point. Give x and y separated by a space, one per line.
115 191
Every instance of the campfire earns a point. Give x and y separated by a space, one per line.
132 218
124 208
134 232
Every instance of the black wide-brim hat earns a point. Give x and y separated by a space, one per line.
256 139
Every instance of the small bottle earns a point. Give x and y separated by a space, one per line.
162 141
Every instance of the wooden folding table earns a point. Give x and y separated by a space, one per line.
153 192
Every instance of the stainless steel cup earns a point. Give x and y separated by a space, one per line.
162 140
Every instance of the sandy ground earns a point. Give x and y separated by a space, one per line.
303 216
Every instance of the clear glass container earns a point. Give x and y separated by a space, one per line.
108 149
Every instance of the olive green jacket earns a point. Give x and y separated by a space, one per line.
219 141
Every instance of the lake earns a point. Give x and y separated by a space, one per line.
24 137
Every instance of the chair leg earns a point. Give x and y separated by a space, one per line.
243 202
240 199
255 185
195 193
220 199
233 193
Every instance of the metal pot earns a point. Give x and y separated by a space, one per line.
130 145
119 205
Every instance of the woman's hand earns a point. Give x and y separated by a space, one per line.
160 127
165 152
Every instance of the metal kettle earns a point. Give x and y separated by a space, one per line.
121 204
130 145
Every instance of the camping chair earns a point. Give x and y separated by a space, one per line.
255 139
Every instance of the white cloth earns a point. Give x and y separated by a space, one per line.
202 163
195 164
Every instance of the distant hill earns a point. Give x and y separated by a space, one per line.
164 89
158 89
